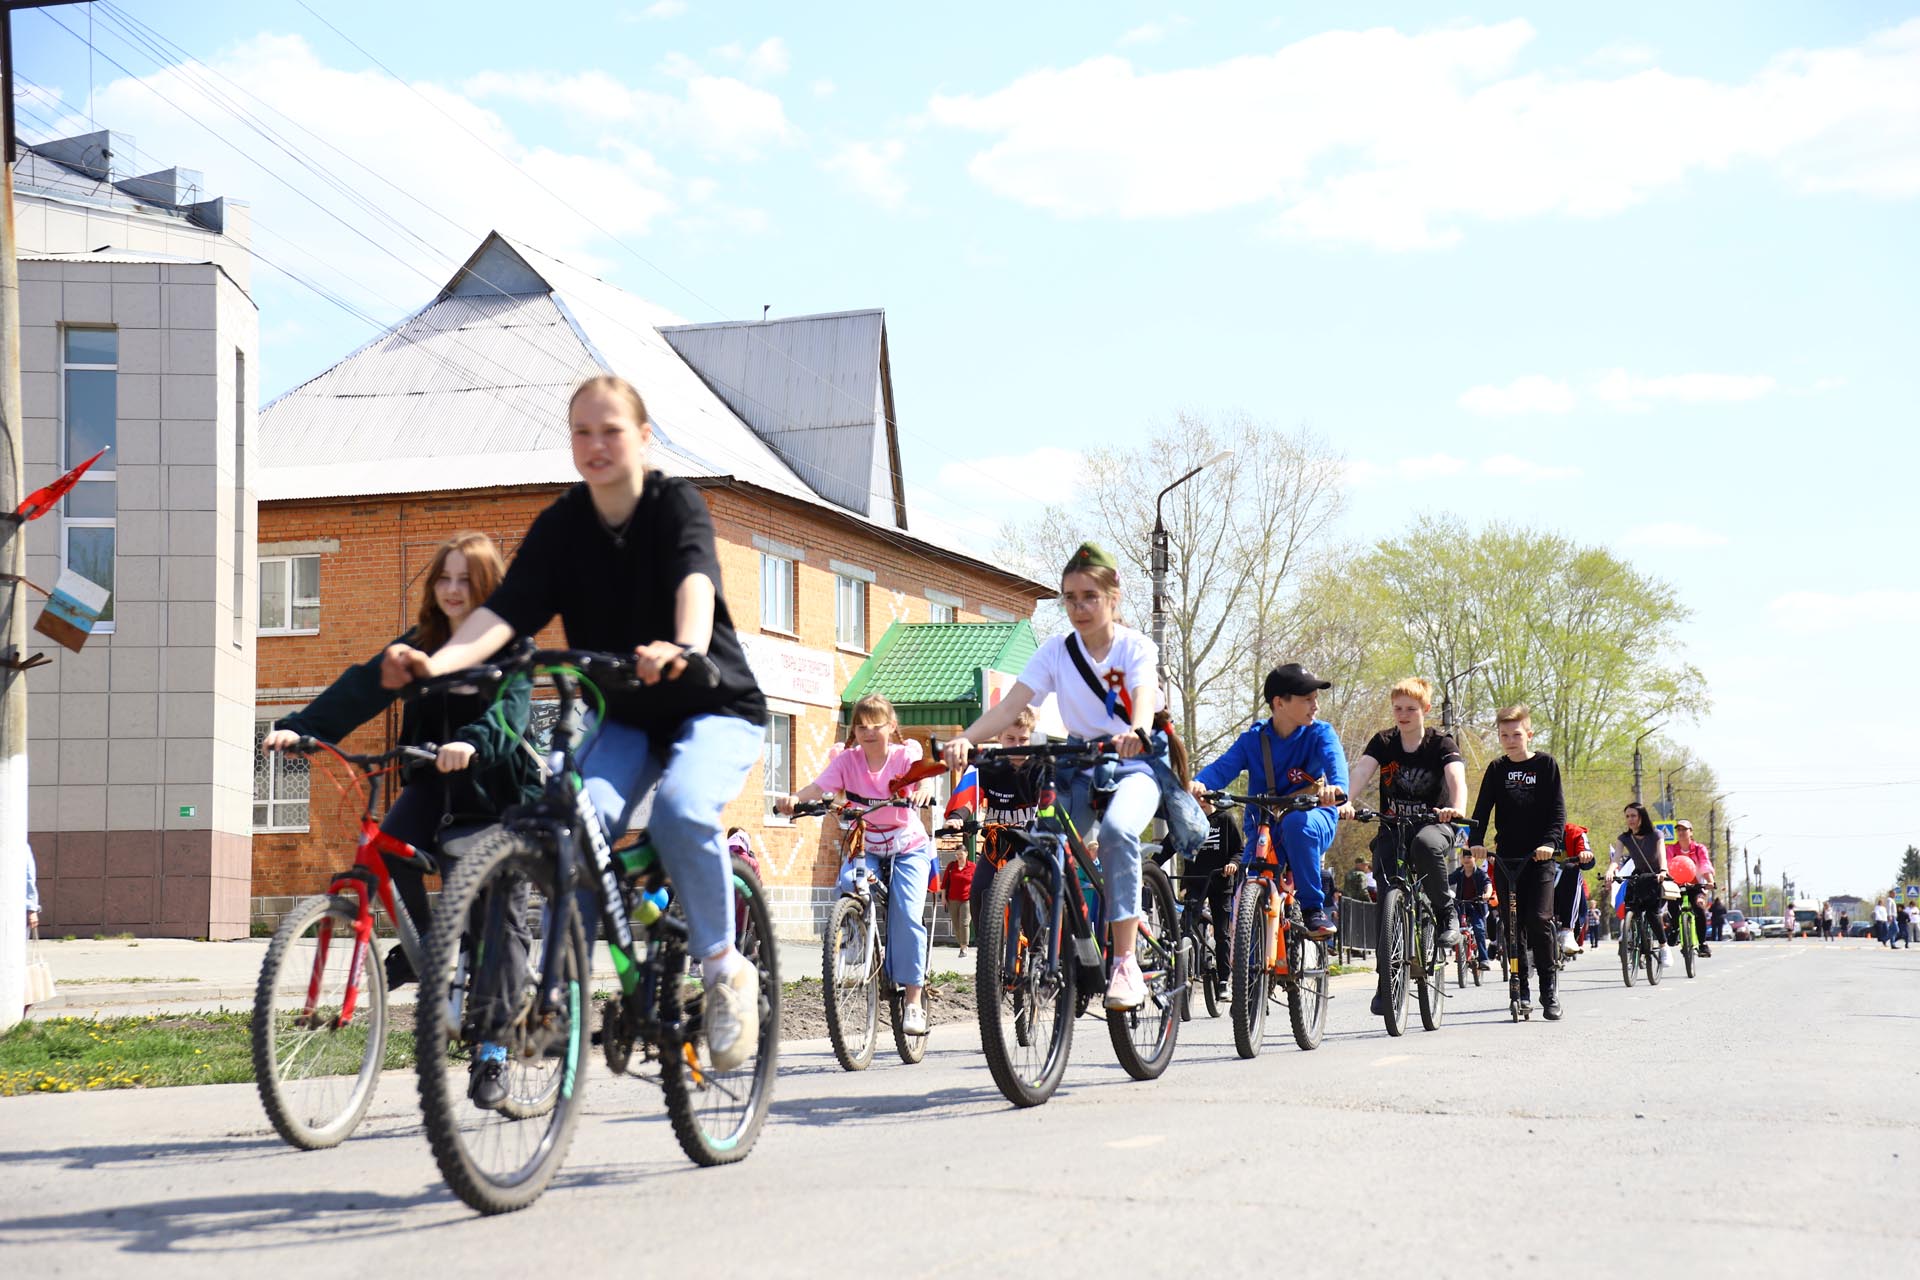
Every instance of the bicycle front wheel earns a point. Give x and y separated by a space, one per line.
500 1130
1689 941
1251 978
717 1115
1307 987
1395 952
850 965
1206 970
1652 939
1025 1003
1433 969
1144 1038
1630 950
316 1063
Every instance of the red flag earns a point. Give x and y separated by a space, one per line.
41 501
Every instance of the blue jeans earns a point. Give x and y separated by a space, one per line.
1304 839
1186 823
906 910
704 770
1136 798
1477 921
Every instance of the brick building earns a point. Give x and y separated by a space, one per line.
456 419
138 331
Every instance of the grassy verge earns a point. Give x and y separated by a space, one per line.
65 1055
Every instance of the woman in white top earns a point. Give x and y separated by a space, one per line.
1122 662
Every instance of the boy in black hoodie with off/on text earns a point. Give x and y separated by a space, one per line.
1521 792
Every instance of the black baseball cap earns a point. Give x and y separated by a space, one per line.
1291 681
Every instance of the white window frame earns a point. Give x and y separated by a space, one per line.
784 566
283 626
277 764
778 723
69 523
940 611
846 588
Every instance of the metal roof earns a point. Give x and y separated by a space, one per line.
937 664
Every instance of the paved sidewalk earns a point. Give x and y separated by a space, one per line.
117 977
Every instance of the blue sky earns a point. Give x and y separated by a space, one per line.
1644 278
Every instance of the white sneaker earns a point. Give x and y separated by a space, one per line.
1666 957
732 1017
914 1023
1128 988
1568 947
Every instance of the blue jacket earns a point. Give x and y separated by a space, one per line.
1312 752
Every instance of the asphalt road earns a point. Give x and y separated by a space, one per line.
1754 1121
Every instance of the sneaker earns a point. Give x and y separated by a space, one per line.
1450 937
1666 957
487 1079
1319 923
399 969
1568 947
1379 1006
1705 950
1550 1006
1127 989
1221 991
914 1023
732 1017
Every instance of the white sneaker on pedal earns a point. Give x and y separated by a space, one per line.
1128 987
1666 957
914 1022
1568 947
732 1017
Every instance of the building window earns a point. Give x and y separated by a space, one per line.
937 612
776 593
289 595
279 786
777 764
850 613
89 409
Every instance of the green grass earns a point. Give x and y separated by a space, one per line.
66 1055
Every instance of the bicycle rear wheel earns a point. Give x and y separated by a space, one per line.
850 966
1652 940
717 1115
317 1070
1433 968
503 900
1144 1038
1689 940
1630 949
1206 971
1395 961
1460 964
1307 987
1026 1022
1250 976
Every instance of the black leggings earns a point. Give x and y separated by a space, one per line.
1532 899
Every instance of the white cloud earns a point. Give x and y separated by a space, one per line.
1153 32
1632 393
870 168
1362 471
769 59
1673 536
718 115
1533 393
1505 466
822 88
666 9
1824 611
1624 54
1398 141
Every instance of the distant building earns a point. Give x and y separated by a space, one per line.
138 331
456 418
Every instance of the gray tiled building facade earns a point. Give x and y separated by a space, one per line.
138 331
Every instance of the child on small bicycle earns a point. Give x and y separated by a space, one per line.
1289 753
480 771
627 561
1471 889
875 756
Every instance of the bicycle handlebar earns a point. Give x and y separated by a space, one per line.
1304 802
610 670
1072 749
424 753
860 809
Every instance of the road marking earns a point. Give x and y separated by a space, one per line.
1137 1142
1390 1059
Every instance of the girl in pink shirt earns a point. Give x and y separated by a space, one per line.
874 758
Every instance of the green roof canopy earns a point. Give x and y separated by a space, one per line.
931 671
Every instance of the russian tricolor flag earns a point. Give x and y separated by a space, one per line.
966 793
1620 901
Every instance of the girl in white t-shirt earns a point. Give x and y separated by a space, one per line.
1123 663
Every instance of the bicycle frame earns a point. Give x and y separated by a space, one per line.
1282 905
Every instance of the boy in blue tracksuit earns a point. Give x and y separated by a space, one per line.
1288 753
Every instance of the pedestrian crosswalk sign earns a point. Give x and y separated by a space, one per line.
1758 899
1913 891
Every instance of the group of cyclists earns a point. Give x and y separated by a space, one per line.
627 561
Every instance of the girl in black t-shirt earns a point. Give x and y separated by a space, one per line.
1416 766
627 561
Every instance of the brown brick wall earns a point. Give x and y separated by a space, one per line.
370 588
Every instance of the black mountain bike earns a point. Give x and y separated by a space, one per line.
1410 952
532 880
853 955
1201 935
1042 960
1641 938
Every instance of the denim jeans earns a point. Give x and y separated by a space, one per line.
1186 822
1477 921
704 769
906 909
1135 799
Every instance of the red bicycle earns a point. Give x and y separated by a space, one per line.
320 1018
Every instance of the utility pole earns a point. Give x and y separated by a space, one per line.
13 562
1159 562
1636 760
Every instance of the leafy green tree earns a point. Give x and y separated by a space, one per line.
1909 867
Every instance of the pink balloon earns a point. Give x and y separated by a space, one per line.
1681 868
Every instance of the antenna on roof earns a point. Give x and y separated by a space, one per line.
764 308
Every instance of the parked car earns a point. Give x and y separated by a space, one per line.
1739 928
1860 929
1773 927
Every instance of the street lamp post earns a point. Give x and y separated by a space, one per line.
1446 696
1159 564
1636 760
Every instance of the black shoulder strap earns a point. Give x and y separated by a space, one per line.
1266 752
1086 670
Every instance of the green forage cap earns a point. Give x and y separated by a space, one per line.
1090 555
